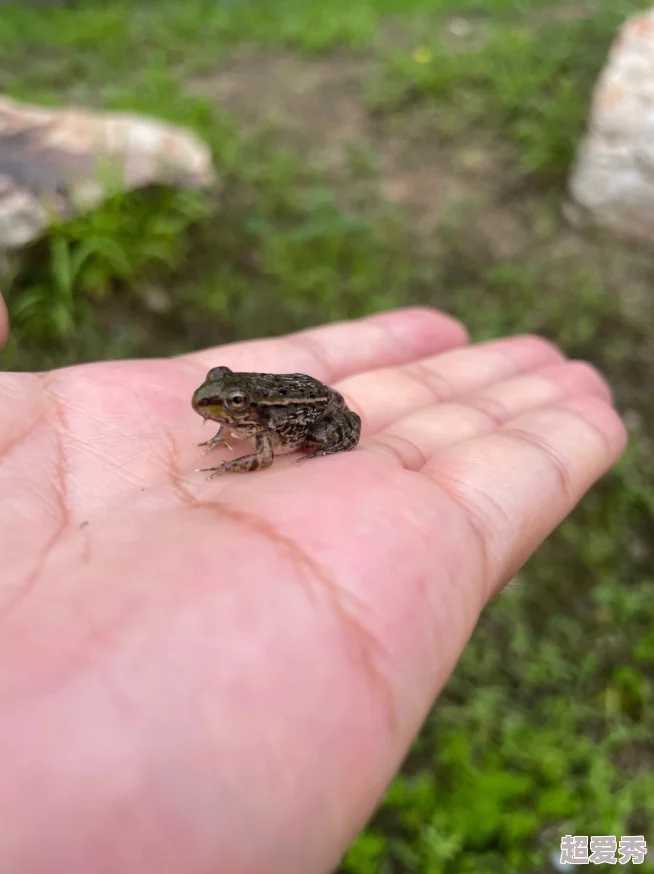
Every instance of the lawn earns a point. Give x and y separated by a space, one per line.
376 153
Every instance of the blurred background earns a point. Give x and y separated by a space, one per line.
372 154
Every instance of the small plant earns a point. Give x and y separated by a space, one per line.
82 260
532 83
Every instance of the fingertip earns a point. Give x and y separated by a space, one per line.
603 418
425 326
532 347
578 377
4 322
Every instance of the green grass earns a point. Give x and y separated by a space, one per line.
547 726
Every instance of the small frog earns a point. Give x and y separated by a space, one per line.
281 412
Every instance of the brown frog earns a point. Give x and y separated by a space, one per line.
279 411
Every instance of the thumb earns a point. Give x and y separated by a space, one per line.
4 323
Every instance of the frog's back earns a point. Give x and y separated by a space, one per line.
280 387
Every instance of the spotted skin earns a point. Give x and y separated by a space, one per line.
279 412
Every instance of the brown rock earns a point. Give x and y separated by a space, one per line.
57 162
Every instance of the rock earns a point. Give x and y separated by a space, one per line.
156 299
613 176
55 163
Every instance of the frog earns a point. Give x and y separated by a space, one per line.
279 412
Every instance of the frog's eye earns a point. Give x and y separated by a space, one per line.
237 399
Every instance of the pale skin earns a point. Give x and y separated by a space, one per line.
224 676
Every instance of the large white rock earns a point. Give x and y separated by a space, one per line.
55 163
613 176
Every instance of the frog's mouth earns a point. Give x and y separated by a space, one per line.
208 407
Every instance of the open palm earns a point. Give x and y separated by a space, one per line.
201 676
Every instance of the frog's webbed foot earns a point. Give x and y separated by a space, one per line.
338 434
260 459
216 440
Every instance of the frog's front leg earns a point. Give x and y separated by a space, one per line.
332 434
216 440
263 457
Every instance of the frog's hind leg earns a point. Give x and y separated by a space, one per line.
338 434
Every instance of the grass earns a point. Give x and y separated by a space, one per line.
546 727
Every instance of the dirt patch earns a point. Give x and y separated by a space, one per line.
561 12
426 173
318 104
502 232
318 107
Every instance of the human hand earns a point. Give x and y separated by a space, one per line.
224 676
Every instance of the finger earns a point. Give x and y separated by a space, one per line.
511 397
4 322
514 485
427 429
128 423
420 435
335 351
385 395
